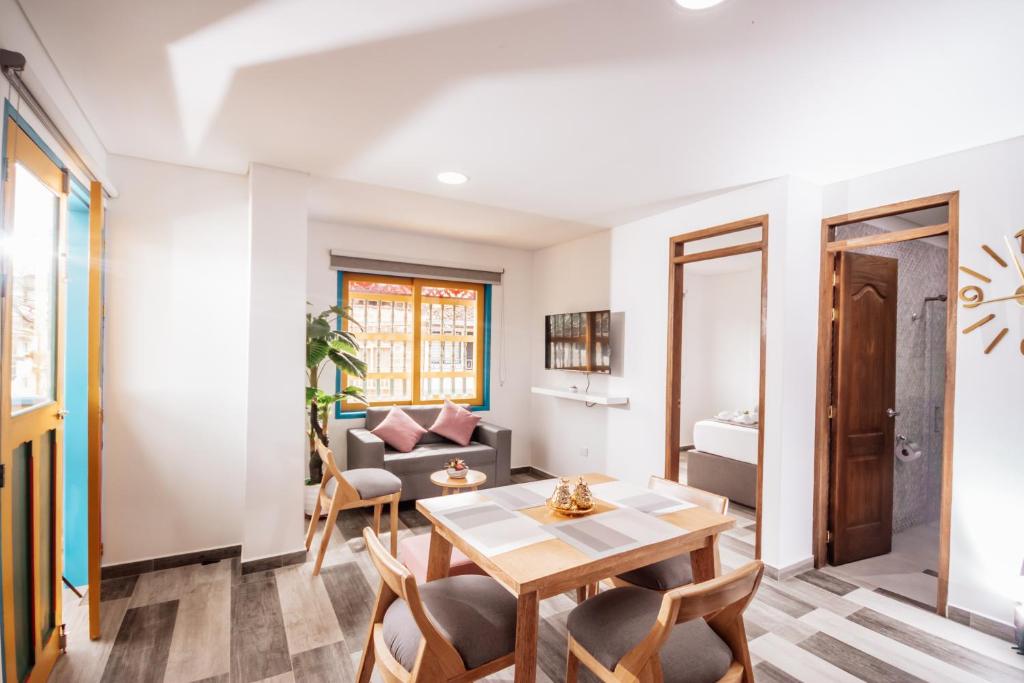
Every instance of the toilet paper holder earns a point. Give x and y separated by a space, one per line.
907 450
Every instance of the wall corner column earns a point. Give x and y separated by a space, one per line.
274 461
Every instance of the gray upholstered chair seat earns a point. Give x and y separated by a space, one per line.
372 482
662 576
474 613
613 622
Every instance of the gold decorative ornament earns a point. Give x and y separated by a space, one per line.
573 503
973 296
582 496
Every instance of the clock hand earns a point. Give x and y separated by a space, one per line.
1002 298
1020 268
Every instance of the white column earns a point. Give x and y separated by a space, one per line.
274 473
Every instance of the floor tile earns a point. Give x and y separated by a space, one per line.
143 642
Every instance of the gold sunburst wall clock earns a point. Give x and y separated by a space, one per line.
1006 303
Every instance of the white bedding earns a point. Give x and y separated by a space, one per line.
727 440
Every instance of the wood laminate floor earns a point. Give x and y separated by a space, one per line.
211 623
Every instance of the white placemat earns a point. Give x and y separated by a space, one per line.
613 532
625 494
516 496
492 529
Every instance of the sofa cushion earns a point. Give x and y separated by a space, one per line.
692 653
474 613
432 456
399 431
455 423
372 482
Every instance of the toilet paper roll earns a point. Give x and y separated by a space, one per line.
908 451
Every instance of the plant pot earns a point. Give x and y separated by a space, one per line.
312 490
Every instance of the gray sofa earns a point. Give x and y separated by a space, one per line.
489 451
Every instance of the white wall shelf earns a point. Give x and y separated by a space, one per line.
600 399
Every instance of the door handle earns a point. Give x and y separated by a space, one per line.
61 414
891 412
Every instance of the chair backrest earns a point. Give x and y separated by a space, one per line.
349 492
720 601
399 583
711 501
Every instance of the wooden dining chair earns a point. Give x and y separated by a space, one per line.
675 571
359 488
460 628
694 633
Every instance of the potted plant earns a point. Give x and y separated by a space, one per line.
327 345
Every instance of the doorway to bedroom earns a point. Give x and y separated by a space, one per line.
715 393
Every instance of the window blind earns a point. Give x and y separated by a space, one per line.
379 266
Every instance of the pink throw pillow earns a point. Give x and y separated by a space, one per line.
399 431
455 423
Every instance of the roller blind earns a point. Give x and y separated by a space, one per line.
378 266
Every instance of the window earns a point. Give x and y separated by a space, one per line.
423 340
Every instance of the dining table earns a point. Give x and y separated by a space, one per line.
537 553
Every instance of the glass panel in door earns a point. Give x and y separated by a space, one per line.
32 244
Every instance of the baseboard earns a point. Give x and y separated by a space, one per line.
535 471
981 623
273 562
116 571
783 573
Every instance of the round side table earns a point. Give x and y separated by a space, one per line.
471 482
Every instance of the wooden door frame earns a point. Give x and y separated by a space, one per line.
677 259
829 250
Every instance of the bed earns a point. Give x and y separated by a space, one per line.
723 460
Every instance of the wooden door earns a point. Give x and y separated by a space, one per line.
863 400
31 405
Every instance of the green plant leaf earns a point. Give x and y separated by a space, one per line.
343 345
347 363
318 328
316 351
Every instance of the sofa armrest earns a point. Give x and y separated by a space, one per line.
500 439
365 449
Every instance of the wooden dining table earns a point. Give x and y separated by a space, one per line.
552 566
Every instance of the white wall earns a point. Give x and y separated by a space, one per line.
174 361
988 434
510 353
721 344
47 84
275 424
567 278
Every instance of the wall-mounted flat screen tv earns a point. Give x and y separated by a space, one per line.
578 341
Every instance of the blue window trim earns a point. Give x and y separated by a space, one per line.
486 405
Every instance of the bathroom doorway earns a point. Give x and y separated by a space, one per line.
884 393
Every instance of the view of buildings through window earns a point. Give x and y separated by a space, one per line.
421 339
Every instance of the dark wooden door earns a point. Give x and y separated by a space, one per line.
863 396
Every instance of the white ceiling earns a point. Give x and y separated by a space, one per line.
568 115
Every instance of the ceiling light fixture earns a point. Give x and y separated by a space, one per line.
697 4
452 178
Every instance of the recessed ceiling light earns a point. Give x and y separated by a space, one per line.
452 177
697 4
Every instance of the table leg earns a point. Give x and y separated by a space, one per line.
704 560
527 624
439 559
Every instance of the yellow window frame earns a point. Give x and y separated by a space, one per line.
479 338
